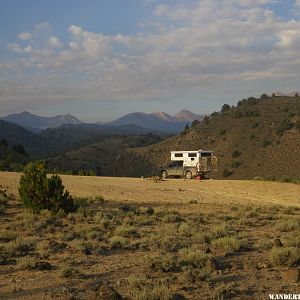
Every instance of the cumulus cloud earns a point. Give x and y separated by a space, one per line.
43 26
296 9
161 9
24 36
54 42
18 49
91 44
254 3
211 49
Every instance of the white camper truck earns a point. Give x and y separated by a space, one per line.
189 164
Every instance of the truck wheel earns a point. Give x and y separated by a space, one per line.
188 175
164 175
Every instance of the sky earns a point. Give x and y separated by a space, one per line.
99 60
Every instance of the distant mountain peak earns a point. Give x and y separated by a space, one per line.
164 116
33 122
160 121
187 116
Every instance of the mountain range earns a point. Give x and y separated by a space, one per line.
155 122
36 123
159 121
260 137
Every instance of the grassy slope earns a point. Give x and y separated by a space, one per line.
250 129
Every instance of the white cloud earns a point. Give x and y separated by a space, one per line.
217 48
91 44
254 3
24 36
43 26
18 49
289 38
161 9
296 9
54 42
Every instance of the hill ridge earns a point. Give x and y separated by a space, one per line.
258 137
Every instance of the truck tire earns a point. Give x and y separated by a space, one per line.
188 175
164 175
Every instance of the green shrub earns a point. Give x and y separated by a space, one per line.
3 198
238 114
195 123
228 244
284 126
38 192
195 258
164 262
126 231
70 272
264 96
2 209
286 256
26 263
118 241
158 291
227 173
225 107
7 236
266 143
236 164
20 246
185 229
288 225
236 154
19 149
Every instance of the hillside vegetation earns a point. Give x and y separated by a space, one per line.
84 148
108 157
258 137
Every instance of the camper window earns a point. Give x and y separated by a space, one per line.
206 154
178 155
192 154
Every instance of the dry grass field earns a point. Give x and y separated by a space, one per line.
173 239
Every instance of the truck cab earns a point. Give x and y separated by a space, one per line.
189 164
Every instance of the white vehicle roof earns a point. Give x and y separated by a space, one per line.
191 151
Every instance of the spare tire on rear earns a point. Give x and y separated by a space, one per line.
188 175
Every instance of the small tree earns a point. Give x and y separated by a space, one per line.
195 123
225 108
186 129
264 96
38 192
20 149
4 143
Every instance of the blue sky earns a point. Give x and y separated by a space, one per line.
101 59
